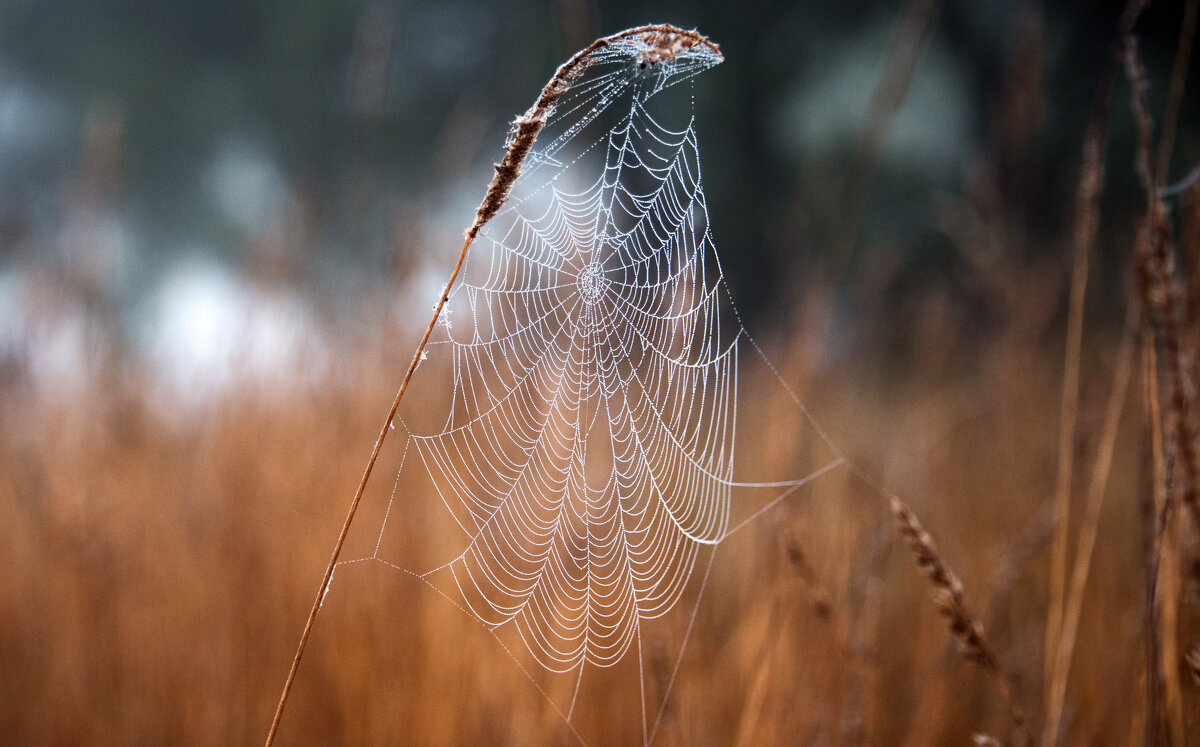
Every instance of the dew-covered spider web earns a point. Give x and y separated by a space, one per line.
585 382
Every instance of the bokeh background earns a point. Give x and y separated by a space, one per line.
222 225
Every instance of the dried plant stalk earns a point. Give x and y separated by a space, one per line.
1088 533
1170 581
1156 270
664 42
948 597
1156 278
1156 511
1087 211
1086 219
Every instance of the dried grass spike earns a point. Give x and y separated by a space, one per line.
1157 276
948 596
669 41
660 42
665 44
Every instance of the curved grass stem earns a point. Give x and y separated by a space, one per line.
665 41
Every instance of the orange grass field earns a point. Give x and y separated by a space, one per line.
158 571
159 556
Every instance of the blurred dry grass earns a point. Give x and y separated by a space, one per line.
157 566
157 572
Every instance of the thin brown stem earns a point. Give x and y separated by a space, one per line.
662 42
1088 533
1087 210
1154 518
362 486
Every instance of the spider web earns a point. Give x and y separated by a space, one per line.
588 450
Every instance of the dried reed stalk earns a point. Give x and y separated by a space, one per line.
948 597
1170 580
1156 276
1087 211
1086 219
663 42
1188 304
1155 513
1156 271
1085 548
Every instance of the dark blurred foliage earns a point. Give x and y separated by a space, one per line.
372 115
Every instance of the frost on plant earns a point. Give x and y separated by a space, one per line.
588 454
